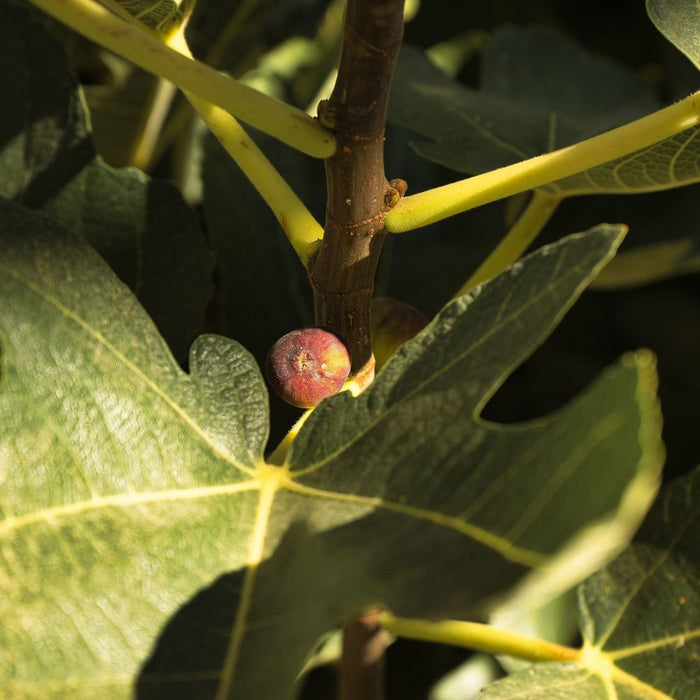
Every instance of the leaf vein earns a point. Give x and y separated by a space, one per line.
49 515
506 549
122 359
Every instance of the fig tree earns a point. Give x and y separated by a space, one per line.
307 365
392 323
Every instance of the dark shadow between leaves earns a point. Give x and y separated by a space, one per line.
189 654
312 583
50 182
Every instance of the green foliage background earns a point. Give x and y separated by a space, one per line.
133 480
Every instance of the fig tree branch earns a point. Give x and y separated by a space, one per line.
145 49
361 668
301 228
359 195
478 637
533 219
342 272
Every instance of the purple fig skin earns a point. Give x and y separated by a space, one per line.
392 323
307 365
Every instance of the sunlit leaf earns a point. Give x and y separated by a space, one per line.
640 616
671 163
642 613
135 500
163 16
115 467
679 22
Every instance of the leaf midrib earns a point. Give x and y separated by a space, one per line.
15 523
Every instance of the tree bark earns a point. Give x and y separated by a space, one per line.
361 668
342 272
359 195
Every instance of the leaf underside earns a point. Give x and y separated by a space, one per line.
540 92
678 21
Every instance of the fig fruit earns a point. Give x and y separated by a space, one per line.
392 323
306 365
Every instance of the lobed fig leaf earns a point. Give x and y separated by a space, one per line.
115 465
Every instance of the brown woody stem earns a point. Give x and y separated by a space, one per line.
342 273
359 196
361 668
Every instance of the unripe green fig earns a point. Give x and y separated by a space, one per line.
306 365
392 323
